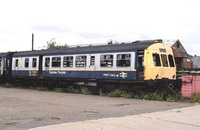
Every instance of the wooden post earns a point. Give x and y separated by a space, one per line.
32 40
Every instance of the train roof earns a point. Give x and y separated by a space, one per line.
140 45
4 54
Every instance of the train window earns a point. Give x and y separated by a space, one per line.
92 60
34 62
171 61
164 60
163 50
56 61
81 61
47 62
106 60
26 64
16 63
156 60
123 60
68 61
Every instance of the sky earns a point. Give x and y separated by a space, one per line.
77 22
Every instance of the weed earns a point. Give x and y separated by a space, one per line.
8 85
41 88
195 98
101 93
86 91
116 93
71 89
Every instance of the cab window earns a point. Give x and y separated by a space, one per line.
156 60
164 60
171 61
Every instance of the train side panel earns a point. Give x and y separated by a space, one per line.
91 66
25 66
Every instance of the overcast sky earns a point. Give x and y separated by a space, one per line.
78 22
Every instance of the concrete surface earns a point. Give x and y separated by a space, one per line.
176 119
25 109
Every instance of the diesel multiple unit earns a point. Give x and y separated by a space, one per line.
144 61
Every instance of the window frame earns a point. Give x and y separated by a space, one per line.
164 60
47 62
106 59
171 60
56 62
81 61
92 60
34 62
156 60
26 63
123 60
69 62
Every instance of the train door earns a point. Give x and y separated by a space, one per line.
140 65
9 65
40 65
92 67
2 65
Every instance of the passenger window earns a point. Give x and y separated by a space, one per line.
56 61
26 62
34 62
81 61
171 61
164 60
92 61
106 60
16 63
47 62
156 60
68 61
123 60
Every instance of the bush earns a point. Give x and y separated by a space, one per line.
86 91
71 89
195 98
116 93
8 85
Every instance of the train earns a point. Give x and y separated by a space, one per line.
125 63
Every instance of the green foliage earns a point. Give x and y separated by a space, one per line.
86 91
53 45
112 42
116 93
8 85
71 89
41 88
195 98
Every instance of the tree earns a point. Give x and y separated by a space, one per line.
53 45
111 42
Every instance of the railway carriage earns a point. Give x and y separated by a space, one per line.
143 61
